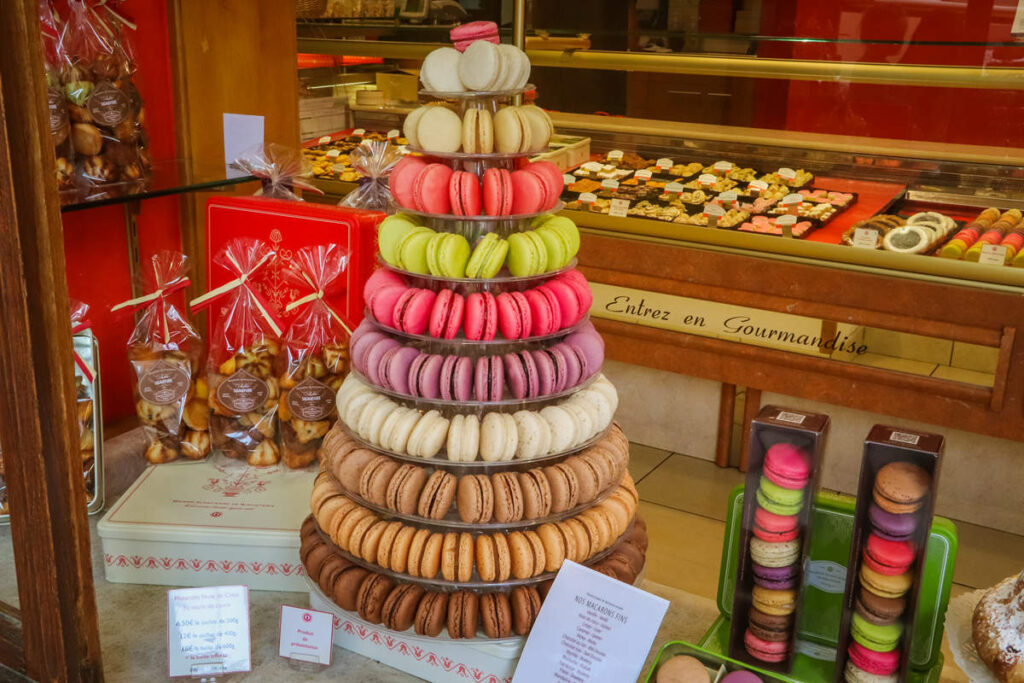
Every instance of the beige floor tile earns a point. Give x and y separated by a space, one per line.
643 459
684 551
974 357
982 379
986 556
692 485
913 367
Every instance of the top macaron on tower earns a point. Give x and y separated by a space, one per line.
475 449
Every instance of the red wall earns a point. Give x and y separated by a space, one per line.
95 245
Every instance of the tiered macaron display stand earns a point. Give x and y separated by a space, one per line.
444 535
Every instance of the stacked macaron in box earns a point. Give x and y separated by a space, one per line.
895 502
784 459
475 449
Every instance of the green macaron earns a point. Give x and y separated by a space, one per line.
875 637
412 250
391 232
778 500
488 257
527 254
447 254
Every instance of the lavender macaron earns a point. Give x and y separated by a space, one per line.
521 374
775 578
373 358
892 527
590 344
394 368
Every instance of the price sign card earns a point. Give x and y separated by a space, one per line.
590 628
619 208
208 631
306 635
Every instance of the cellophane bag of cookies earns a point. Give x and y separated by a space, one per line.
165 353
60 125
280 169
374 160
315 361
107 116
243 351
84 395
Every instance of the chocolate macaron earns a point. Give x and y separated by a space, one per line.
431 614
399 610
496 615
770 627
372 593
463 614
525 602
878 610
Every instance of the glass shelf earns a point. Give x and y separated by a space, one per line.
170 176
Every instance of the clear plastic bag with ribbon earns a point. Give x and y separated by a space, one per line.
85 378
243 355
280 169
316 354
60 125
165 353
374 160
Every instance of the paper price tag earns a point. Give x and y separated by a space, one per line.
306 635
323 140
333 153
394 133
676 188
643 175
786 223
610 184
208 631
664 163
366 142
787 174
714 210
591 166
359 131
706 180
590 628
827 576
756 187
815 651
619 208
865 238
728 199
615 155
568 179
722 166
588 197
791 200
993 255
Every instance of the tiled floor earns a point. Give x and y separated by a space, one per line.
683 500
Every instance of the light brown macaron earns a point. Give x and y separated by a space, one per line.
324 487
537 547
536 494
399 608
431 614
399 560
575 527
437 495
403 492
373 484
416 547
338 505
502 557
508 497
346 586
475 499
486 559
464 557
343 532
599 527
605 465
588 477
358 534
554 546
371 540
521 552
525 602
387 543
430 564
619 513
564 487
349 468
449 555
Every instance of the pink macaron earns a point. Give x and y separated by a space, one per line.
497 192
557 354
383 301
528 192
774 528
787 465
489 380
402 178
412 310
379 279
765 650
875 663
551 177
430 189
521 374
425 376
446 315
481 317
569 303
465 35
373 359
464 194
544 311
456 378
580 289
514 315
394 368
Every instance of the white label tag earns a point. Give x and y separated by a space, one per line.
675 187
643 175
333 153
568 179
359 131
615 155
323 140
792 199
865 238
786 223
664 163
722 166
903 437
610 184
208 631
815 651
241 131
591 166
757 186
306 635
619 207
394 133
1017 28
713 210
827 576
588 197
728 198
707 180
787 174
993 255
792 418
591 627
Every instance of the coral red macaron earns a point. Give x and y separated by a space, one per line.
876 663
464 194
765 650
497 192
890 558
771 527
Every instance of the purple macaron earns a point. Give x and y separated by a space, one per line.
425 376
545 373
740 677
521 374
394 368
557 356
892 527
362 339
490 378
457 378
373 358
776 578
590 345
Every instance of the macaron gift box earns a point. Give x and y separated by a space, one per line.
784 461
895 504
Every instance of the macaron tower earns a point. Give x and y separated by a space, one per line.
775 545
475 449
885 574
